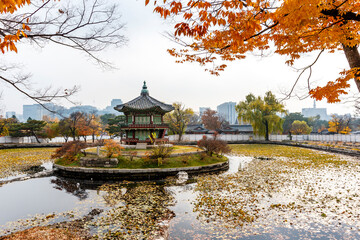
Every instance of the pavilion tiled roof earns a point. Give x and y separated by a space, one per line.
144 102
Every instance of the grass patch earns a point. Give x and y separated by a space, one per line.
177 149
64 162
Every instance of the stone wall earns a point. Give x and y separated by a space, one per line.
30 145
134 174
95 161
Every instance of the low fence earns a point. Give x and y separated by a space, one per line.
354 138
8 139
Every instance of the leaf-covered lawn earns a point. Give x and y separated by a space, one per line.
15 160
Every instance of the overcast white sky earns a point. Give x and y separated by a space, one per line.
145 58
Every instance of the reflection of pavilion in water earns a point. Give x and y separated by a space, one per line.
70 186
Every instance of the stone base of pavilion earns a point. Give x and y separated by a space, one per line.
113 174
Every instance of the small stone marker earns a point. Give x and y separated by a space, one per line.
140 145
98 151
182 177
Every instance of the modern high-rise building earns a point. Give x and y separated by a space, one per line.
227 111
110 109
116 102
34 111
10 114
37 112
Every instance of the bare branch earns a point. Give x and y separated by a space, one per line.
302 71
89 26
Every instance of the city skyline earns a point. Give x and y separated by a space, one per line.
226 110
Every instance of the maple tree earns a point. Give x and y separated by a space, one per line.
82 128
229 29
113 149
87 26
262 113
212 120
95 126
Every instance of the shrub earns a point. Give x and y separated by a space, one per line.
160 151
113 149
70 151
213 145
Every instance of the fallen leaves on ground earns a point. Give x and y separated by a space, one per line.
298 189
15 160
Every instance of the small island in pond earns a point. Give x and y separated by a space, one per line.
144 152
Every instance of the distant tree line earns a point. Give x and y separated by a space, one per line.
77 126
266 115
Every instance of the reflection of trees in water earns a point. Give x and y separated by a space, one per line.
70 187
144 207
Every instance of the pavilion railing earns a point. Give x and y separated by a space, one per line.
145 125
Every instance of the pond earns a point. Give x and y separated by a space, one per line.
291 193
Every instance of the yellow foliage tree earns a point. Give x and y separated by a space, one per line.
300 127
113 149
228 29
339 124
178 119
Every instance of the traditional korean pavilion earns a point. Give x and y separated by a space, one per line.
143 117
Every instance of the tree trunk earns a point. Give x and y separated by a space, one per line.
180 136
266 131
353 58
34 134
